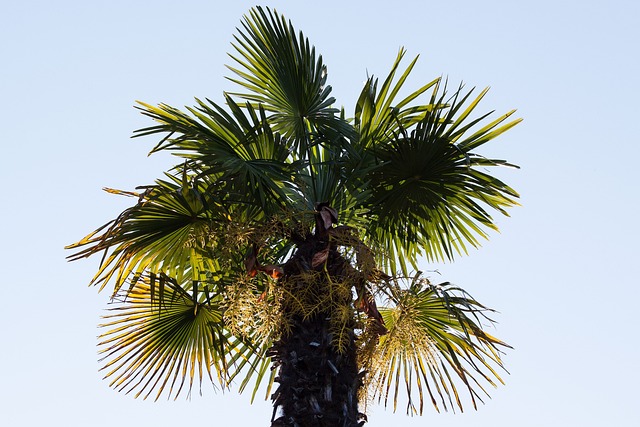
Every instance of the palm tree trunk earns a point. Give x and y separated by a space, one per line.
318 386
318 380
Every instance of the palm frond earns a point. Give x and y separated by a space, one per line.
429 193
168 230
152 346
379 116
435 346
280 71
238 149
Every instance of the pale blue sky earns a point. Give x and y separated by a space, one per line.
562 272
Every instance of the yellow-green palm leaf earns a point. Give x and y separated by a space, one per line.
435 347
165 346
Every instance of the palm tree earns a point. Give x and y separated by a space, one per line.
283 249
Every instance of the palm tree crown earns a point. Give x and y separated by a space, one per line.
282 211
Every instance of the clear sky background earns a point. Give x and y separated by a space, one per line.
562 272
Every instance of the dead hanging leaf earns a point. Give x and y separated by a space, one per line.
251 261
367 304
320 257
326 216
333 212
369 307
326 219
329 216
275 271
253 266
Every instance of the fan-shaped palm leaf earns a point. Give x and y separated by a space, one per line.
435 340
281 72
238 150
428 195
157 346
167 231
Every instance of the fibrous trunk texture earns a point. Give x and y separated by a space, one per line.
318 378
318 386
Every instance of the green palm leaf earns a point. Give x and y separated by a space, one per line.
281 72
239 151
378 116
429 195
167 231
435 344
164 346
